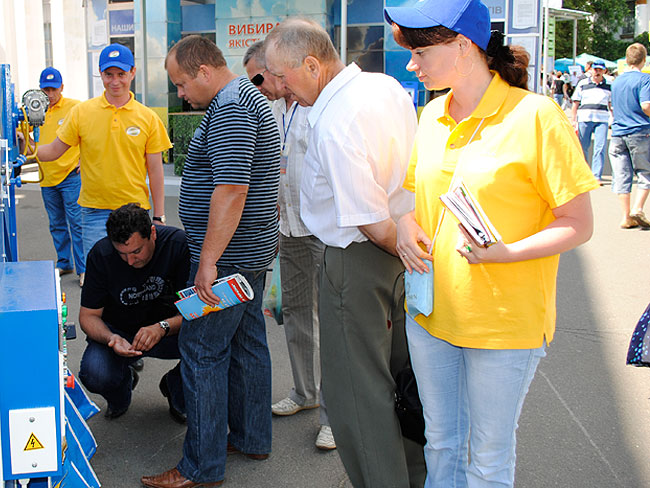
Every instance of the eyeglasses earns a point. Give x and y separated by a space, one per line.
258 79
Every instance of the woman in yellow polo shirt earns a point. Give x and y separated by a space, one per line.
475 355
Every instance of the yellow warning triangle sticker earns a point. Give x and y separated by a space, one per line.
33 443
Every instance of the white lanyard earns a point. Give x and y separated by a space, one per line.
451 183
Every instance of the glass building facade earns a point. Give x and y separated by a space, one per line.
150 27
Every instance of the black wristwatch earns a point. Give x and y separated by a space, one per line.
164 325
160 219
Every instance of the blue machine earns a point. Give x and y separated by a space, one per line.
44 439
31 414
9 118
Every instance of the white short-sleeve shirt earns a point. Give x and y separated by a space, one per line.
363 126
294 136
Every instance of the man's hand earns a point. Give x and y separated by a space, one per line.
205 276
122 347
147 337
409 237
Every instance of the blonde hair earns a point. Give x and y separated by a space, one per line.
635 54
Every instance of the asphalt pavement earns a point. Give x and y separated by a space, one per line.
585 423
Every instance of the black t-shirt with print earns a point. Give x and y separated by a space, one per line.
133 298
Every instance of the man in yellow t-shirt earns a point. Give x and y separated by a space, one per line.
120 142
61 181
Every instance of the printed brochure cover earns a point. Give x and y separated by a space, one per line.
460 202
231 290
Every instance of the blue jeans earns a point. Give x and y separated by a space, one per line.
106 373
227 382
93 226
599 130
628 155
471 395
559 98
64 214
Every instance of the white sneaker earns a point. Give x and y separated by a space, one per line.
325 439
287 406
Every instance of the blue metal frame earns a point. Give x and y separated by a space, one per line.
29 316
9 118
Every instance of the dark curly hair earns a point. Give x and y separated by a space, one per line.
123 222
511 62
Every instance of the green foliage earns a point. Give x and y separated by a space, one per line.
181 130
643 39
597 35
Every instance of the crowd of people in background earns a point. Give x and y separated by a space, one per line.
612 109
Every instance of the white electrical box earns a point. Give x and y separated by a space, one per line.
32 439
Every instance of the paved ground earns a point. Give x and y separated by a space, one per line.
586 421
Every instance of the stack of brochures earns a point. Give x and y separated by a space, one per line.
231 290
460 202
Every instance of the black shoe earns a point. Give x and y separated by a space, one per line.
176 414
138 365
113 413
135 377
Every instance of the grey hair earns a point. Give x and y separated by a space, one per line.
255 51
298 38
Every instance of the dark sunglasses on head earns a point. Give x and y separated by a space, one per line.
258 79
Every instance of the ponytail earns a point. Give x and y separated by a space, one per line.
511 62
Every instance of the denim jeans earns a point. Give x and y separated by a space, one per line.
628 155
599 130
64 214
559 98
93 226
106 373
471 395
227 382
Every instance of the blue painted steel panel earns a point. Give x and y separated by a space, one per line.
29 355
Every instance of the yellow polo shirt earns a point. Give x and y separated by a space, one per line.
113 143
54 172
524 161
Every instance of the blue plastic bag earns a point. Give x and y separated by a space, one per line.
418 291
273 299
638 353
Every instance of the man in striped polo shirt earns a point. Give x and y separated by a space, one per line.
228 206
590 114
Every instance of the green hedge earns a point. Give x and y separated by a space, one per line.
181 131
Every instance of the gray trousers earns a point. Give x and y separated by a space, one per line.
300 263
363 346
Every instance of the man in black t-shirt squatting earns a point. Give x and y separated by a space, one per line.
127 307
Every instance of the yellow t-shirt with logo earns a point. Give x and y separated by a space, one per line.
54 172
114 143
524 161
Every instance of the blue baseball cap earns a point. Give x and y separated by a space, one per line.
599 64
50 78
470 18
116 55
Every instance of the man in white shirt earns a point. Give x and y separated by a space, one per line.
301 253
592 107
363 125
